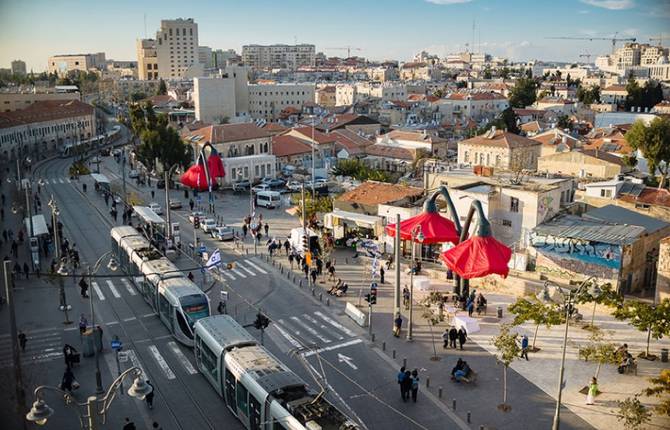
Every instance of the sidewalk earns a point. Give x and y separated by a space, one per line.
531 384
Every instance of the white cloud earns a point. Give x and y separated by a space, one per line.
447 2
611 4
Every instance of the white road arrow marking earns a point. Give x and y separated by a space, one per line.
348 360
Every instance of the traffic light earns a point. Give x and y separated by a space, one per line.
373 293
305 243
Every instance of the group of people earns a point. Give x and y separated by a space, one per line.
625 358
461 372
409 383
339 289
451 335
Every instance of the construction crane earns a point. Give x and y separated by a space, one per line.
348 48
612 39
659 38
587 56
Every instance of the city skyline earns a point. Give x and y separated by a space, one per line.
437 26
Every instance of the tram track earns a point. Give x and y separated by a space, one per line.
73 230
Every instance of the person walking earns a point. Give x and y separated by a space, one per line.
83 324
470 307
462 336
290 260
305 268
524 347
83 288
68 380
331 272
593 391
415 384
153 194
406 385
245 230
287 246
453 335
26 270
22 341
405 297
191 204
266 227
445 338
221 308
397 325
129 425
150 397
401 379
313 273
382 272
319 266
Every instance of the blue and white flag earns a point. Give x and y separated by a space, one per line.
214 260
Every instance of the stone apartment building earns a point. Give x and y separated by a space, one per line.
500 149
279 56
63 64
173 54
472 104
11 101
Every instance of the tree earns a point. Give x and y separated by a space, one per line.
642 97
487 73
606 295
539 313
588 95
564 122
162 88
660 387
654 143
633 413
630 160
137 96
322 204
523 93
508 350
654 319
433 320
598 349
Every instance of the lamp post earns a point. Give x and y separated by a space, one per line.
16 358
168 175
417 235
61 261
90 272
568 303
40 411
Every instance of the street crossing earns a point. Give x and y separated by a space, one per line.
41 346
309 329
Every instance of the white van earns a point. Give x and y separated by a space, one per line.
268 199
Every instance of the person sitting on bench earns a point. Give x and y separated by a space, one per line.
463 373
459 366
626 363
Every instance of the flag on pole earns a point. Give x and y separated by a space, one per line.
214 260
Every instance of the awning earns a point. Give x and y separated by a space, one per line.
148 215
361 220
99 179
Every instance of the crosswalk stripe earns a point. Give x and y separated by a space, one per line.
62 181
129 287
238 273
68 180
318 324
255 267
225 272
247 270
161 362
113 288
334 323
287 336
182 358
98 291
136 362
310 329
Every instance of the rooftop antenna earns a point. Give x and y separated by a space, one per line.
473 34
145 25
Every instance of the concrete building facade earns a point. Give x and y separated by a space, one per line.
18 67
20 100
500 149
147 59
279 56
266 101
173 54
63 64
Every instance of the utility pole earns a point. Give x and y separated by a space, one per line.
168 231
123 175
98 375
30 221
18 378
396 291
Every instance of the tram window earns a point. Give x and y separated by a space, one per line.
254 413
183 325
242 402
230 391
164 308
208 360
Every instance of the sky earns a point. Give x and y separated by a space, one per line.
32 30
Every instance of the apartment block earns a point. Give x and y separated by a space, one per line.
63 64
147 60
279 56
266 101
173 54
18 67
205 56
11 101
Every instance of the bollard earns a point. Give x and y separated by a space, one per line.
313 292
453 404
372 337
427 382
320 297
394 353
439 392
468 417
281 270
327 301
346 260
404 362
383 346
300 285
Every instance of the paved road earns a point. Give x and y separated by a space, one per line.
320 344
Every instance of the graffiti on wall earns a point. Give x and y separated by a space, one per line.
544 207
583 251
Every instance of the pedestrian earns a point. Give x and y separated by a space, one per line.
290 260
221 308
319 266
331 272
244 230
259 236
99 339
22 341
470 307
462 336
83 288
406 385
191 203
313 273
266 227
287 246
524 347
389 262
445 338
83 324
150 397
26 270
129 425
153 194
4 235
397 325
593 391
415 384
381 274
405 297
401 379
453 335
68 380
69 353
305 268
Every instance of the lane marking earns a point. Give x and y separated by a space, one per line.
310 329
255 267
129 319
246 270
112 323
318 324
148 315
68 180
161 362
182 358
225 273
334 323
129 287
62 181
287 336
238 273
332 347
348 360
113 288
98 291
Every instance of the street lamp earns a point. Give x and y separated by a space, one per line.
417 236
168 175
568 298
62 270
111 265
40 411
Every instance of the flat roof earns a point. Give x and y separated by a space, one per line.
621 215
148 215
101 179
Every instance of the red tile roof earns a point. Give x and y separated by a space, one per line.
477 96
228 133
353 143
376 193
388 151
615 88
43 111
286 146
501 139
319 137
650 196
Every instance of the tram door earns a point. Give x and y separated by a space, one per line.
254 413
230 391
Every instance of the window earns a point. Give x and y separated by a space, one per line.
507 223
514 205
242 402
208 360
606 193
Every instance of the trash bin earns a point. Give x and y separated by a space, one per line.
664 355
500 311
88 343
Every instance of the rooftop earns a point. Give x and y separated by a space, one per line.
42 111
287 145
620 215
376 193
227 133
389 151
500 138
574 227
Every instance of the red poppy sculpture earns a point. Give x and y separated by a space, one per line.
203 173
480 255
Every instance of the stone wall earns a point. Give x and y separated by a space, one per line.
663 279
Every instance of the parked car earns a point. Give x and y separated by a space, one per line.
261 187
175 204
208 225
276 183
240 186
134 174
223 233
266 179
294 186
156 208
196 214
